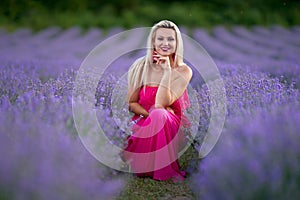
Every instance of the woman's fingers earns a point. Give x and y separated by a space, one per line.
163 59
170 109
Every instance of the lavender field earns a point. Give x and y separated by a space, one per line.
256 157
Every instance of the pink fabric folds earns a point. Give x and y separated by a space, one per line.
152 149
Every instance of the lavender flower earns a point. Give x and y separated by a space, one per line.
255 158
42 154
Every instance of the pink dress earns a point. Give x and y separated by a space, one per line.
152 150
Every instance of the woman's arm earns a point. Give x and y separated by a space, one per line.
164 96
167 93
133 104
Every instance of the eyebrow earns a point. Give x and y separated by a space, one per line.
167 36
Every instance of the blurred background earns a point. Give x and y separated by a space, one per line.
38 14
255 45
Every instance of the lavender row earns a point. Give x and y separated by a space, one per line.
54 49
42 157
36 94
257 157
243 87
245 91
41 112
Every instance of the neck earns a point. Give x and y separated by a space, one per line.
171 61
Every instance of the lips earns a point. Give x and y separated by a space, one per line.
164 48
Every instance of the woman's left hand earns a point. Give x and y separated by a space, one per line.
170 109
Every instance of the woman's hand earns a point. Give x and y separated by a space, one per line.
170 109
163 61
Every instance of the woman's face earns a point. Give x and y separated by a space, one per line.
165 41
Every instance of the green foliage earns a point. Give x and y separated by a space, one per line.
146 188
38 14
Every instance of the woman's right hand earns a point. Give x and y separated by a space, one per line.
163 61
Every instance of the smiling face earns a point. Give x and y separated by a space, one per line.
165 41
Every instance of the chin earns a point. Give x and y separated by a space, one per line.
165 53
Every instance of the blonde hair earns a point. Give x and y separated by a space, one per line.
138 71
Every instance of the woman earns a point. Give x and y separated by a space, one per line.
157 95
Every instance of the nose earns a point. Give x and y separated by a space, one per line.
165 42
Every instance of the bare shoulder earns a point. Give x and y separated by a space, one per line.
185 70
183 76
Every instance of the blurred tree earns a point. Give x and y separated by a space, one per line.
132 12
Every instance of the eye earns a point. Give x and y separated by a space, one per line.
171 39
160 39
